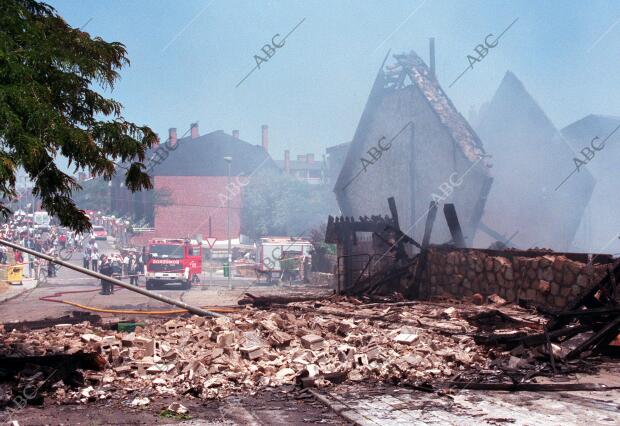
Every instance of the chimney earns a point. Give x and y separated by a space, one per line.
265 137
310 158
172 136
431 48
287 161
236 134
194 128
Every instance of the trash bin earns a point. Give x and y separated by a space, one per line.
226 269
15 274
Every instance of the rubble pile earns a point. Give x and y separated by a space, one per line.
311 342
551 280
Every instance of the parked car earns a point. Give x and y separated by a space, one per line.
99 233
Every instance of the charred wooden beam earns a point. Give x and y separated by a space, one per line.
453 224
77 318
414 289
602 337
80 360
266 301
521 338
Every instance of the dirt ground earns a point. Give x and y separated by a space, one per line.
283 406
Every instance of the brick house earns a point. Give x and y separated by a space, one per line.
193 181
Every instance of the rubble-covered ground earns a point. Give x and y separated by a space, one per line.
313 344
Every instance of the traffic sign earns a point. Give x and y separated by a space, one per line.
210 241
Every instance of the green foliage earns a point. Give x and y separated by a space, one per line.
48 108
277 204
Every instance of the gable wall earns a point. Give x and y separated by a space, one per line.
412 170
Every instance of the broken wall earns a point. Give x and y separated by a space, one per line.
424 160
552 280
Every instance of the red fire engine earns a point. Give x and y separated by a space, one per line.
173 261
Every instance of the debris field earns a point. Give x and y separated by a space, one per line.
311 343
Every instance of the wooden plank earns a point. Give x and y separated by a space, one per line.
452 219
414 289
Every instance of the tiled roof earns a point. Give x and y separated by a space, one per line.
461 131
204 156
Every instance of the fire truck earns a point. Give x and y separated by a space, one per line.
173 261
274 252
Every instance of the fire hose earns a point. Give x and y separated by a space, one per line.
53 298
184 306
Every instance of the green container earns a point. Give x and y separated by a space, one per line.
226 269
129 326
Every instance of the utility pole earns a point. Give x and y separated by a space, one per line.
228 159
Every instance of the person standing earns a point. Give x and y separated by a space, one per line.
133 270
117 265
86 258
19 257
51 270
62 240
107 287
126 264
94 258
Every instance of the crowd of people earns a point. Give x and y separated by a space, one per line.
48 240
127 265
53 240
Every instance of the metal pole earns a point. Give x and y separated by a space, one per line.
210 269
229 160
192 309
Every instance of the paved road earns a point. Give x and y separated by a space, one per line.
28 306
382 404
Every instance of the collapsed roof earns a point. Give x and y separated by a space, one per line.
434 154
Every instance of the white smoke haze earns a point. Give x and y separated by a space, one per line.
540 88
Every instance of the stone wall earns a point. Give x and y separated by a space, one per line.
551 280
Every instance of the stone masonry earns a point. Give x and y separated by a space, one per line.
552 280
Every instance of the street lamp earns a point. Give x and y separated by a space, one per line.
228 160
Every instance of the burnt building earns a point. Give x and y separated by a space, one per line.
599 134
411 143
530 200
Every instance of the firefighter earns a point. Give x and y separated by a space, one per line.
107 287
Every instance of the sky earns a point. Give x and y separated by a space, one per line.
187 57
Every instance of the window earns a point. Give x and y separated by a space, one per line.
166 251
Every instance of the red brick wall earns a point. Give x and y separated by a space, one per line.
193 200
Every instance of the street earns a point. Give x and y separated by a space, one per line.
76 287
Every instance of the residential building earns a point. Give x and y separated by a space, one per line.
305 167
190 184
